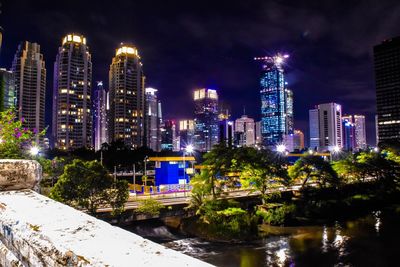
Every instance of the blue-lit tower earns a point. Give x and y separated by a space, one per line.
274 101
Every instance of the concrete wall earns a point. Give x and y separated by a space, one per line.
37 231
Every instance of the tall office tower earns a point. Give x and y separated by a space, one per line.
127 97
186 133
246 126
376 130
258 134
289 111
72 118
152 120
168 135
274 100
330 126
100 116
314 128
360 132
387 80
29 72
349 141
7 90
206 119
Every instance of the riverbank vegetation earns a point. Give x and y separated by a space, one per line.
320 190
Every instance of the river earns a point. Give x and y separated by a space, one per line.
372 240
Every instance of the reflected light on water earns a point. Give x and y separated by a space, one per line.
278 252
325 240
340 241
377 221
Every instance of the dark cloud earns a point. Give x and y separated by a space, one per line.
187 44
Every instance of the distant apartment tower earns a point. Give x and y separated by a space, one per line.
329 126
206 119
294 141
289 111
72 118
7 90
100 116
127 97
246 127
387 81
186 133
274 101
29 72
152 120
168 135
360 131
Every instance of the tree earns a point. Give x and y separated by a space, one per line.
263 170
87 185
313 169
15 140
349 168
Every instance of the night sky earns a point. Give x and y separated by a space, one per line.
189 44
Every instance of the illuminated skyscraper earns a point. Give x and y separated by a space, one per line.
289 111
387 80
186 133
360 132
7 90
72 118
245 125
206 119
152 119
314 128
327 118
100 114
29 72
127 97
349 140
274 101
168 135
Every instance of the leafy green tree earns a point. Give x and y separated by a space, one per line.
313 169
87 185
263 170
349 169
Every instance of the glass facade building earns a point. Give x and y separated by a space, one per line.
274 101
206 119
100 116
8 96
152 120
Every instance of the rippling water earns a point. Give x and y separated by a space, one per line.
367 241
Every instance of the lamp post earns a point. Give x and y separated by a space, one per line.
34 151
145 170
188 149
335 150
281 148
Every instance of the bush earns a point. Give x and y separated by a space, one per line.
149 206
277 215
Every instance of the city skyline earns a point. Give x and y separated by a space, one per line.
324 71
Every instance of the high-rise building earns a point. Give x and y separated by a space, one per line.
329 125
186 132
127 97
100 114
387 80
246 126
314 128
360 132
294 141
258 134
7 90
168 135
349 141
152 120
206 119
29 72
274 101
289 111
72 118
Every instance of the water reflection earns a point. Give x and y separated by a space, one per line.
367 241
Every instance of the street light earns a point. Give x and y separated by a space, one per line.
335 150
281 148
34 151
